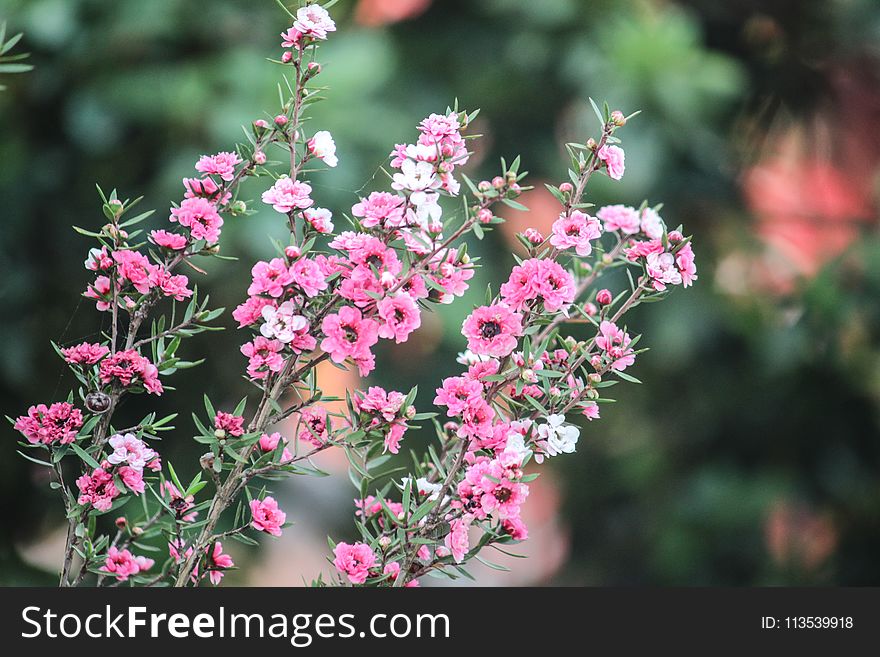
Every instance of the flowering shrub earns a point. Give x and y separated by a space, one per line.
332 295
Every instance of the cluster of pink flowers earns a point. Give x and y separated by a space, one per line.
128 369
269 443
314 426
133 273
384 412
127 460
85 353
122 564
57 424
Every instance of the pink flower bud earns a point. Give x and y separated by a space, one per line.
281 120
591 309
566 188
259 157
603 297
121 522
497 182
484 216
484 186
292 252
617 118
286 57
261 124
675 237
314 68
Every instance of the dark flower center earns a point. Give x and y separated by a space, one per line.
490 329
374 261
350 334
503 494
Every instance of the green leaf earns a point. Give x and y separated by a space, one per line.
85 456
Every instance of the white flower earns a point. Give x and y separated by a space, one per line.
427 210
421 152
132 451
556 437
516 446
415 176
323 147
652 224
425 487
281 323
468 357
314 21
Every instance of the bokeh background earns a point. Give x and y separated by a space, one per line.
749 457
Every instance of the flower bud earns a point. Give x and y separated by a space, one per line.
527 375
514 190
603 297
239 207
410 412
590 308
498 182
593 394
385 541
286 57
566 188
484 186
206 460
259 157
313 68
220 434
594 378
617 118
121 522
281 120
97 402
674 237
484 216
591 144
137 531
292 252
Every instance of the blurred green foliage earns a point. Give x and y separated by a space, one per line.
747 405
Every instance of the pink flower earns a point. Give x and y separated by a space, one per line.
492 330
652 224
129 368
100 291
539 279
613 157
269 443
250 312
97 489
615 343
401 316
620 217
661 268
308 276
377 400
270 278
264 357
207 188
170 285
58 423
380 209
181 505
170 241
135 268
122 564
354 561
85 353
576 230
99 259
394 436
685 261
323 147
222 164
201 217
314 425
516 528
591 411
320 219
233 425
349 334
287 194
314 21
133 479
456 540
266 516
217 562
283 323
457 393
